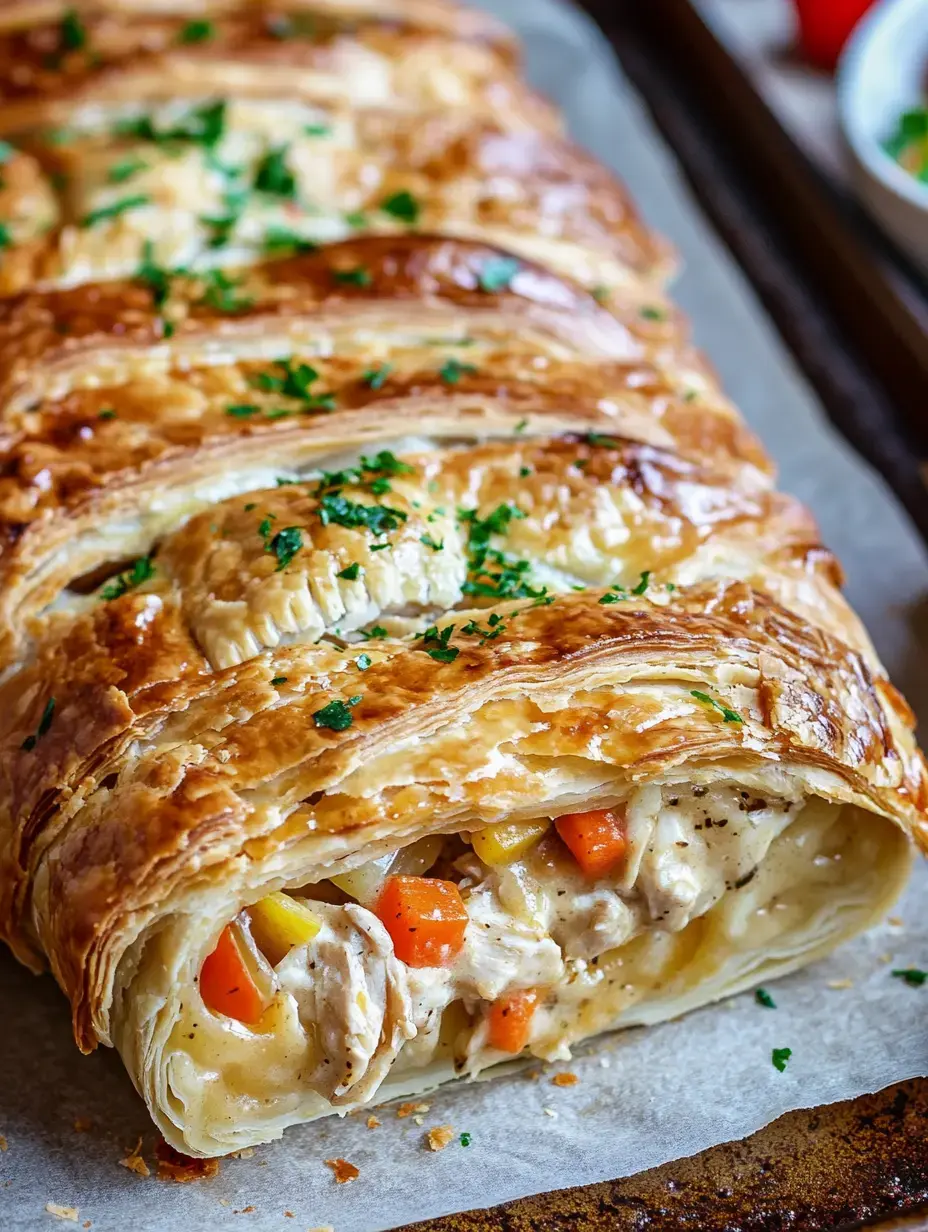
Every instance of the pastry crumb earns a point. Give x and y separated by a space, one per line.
83 1125
246 1210
134 1161
604 1062
373 1123
4 1145
566 1079
549 1112
245 1153
895 921
342 1170
173 1166
62 1212
225 1201
289 1215
439 1137
405 1110
419 1120
885 958
840 983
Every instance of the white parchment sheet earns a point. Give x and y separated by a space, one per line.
643 1097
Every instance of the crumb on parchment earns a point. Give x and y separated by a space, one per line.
895 921
549 1112
405 1110
840 983
373 1123
4 1145
173 1166
342 1170
566 1079
83 1125
439 1137
62 1212
134 1161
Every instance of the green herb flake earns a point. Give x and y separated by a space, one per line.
106 413
363 662
730 716
357 277
71 32
763 997
285 545
651 313
497 274
524 472
222 293
317 130
158 280
436 644
452 370
7 152
356 219
376 378
125 169
350 573
336 716
242 410
614 596
601 294
913 976
337 509
466 1139
142 571
430 543
5 238
375 631
779 1057
402 206
279 680
106 212
281 240
167 329
251 505
273 176
45 723
197 32
643 583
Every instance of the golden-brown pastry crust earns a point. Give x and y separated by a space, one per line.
442 473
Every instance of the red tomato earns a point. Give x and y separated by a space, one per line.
826 25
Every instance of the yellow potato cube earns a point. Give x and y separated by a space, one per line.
507 840
279 922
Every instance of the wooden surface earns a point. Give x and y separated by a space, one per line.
863 1163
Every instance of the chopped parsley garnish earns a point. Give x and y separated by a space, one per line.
222 293
363 662
251 505
730 716
491 573
317 130
452 370
45 723
285 545
273 176
142 571
497 274
279 680
336 716
72 34
495 624
203 126
125 169
337 509
524 472
358 277
265 528
351 572
617 595
403 206
643 583
430 543
521 425
466 1139
167 328
196 32
294 381
5 238
763 997
281 240
356 219
607 442
912 976
6 152
375 631
779 1057
601 294
115 210
436 645
157 279
242 410
376 378
650 313
106 413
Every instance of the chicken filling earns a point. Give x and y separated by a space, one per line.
466 945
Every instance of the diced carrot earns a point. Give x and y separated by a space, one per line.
510 1020
425 917
226 985
597 840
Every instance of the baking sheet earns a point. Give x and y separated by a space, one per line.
643 1097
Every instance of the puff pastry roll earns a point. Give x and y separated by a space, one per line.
407 661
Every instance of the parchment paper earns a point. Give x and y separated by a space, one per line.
644 1097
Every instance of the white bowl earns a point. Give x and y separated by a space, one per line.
883 72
